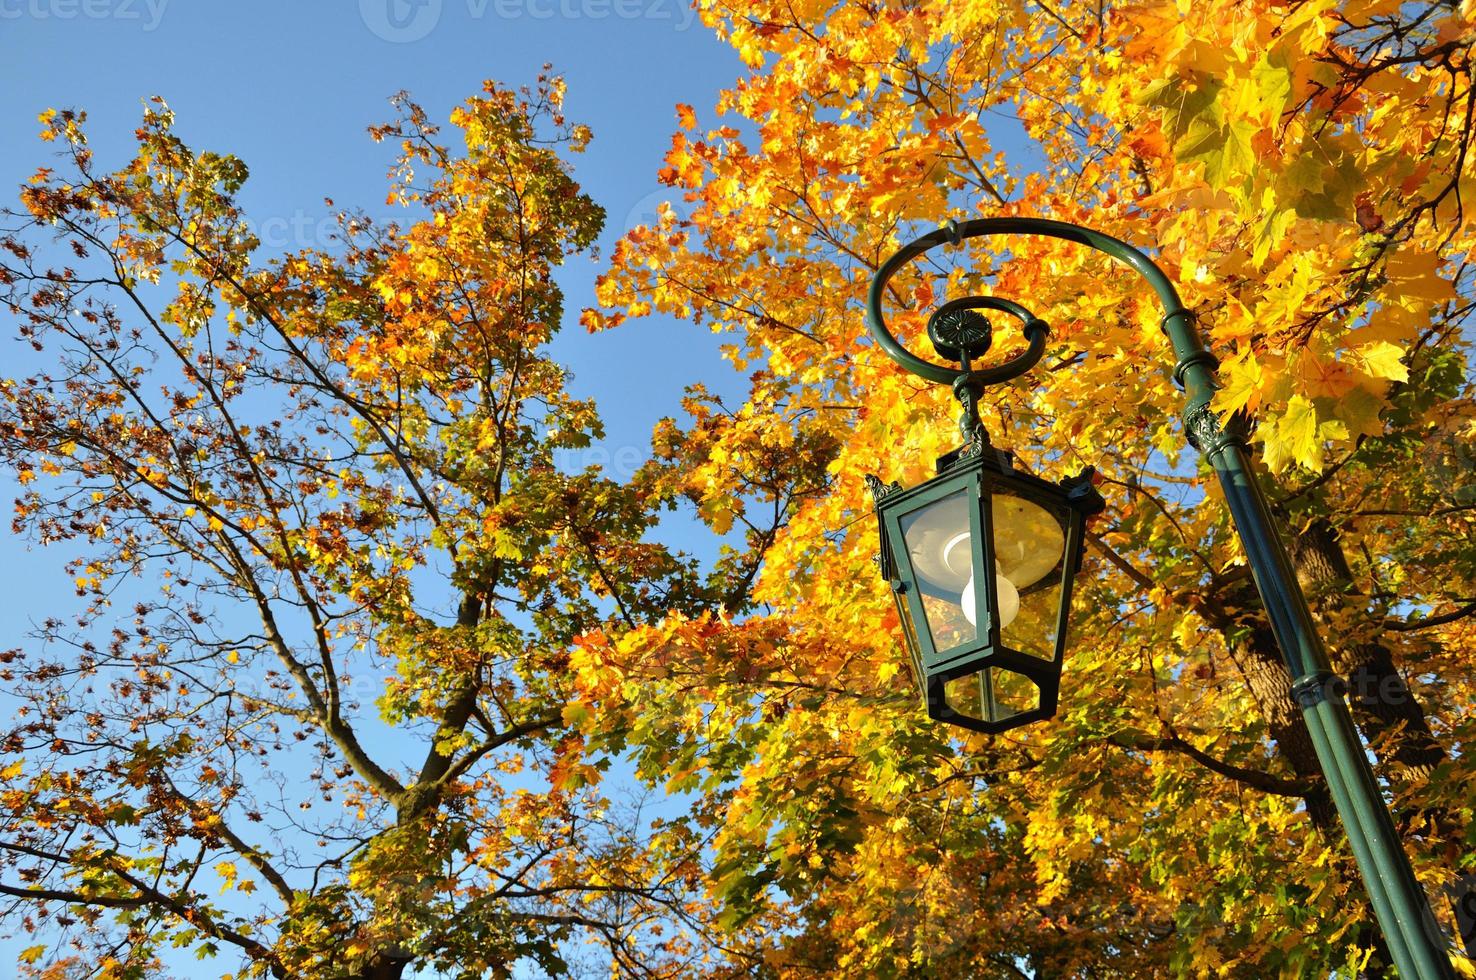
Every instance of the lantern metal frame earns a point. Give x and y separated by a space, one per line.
1414 938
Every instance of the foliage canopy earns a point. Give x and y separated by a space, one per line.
326 486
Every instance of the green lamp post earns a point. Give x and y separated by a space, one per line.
981 557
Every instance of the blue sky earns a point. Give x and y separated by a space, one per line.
290 87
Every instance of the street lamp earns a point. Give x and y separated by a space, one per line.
925 554
981 557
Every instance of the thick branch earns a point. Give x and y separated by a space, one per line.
1254 778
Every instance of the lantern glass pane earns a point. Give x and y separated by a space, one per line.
965 694
1033 630
1013 693
909 631
938 537
992 694
1031 537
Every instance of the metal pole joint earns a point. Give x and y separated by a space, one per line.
1310 690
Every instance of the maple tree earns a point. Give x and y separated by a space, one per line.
355 448
311 718
1303 172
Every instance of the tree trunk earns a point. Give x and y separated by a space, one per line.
1382 703
1254 651
1271 688
1259 660
385 966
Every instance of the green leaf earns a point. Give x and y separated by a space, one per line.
1275 223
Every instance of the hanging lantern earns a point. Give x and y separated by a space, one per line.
980 560
981 557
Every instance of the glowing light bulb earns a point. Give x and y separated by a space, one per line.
1009 600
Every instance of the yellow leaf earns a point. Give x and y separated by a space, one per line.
227 872
1383 360
575 713
1293 437
1243 384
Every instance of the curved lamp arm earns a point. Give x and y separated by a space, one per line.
1194 370
1413 935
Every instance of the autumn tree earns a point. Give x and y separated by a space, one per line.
1304 172
354 448
311 719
